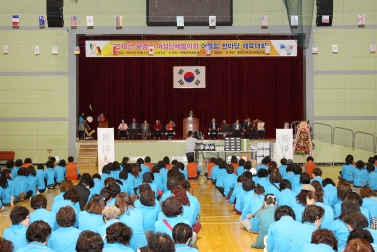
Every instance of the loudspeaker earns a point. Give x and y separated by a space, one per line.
324 8
59 3
54 9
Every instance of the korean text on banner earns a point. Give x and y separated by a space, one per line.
284 144
106 152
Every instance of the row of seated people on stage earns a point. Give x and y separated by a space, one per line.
295 210
251 130
143 131
130 207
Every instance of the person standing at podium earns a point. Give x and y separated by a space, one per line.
191 144
191 114
101 118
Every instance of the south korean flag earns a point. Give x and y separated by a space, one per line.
189 77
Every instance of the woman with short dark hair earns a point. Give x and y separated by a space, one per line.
322 240
37 234
149 208
278 233
64 238
172 209
311 220
338 227
71 198
118 237
39 204
91 217
89 241
360 175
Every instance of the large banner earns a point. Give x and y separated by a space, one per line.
189 77
284 144
191 48
105 147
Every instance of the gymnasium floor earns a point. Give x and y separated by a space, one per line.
220 231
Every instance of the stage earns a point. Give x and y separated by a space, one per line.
174 149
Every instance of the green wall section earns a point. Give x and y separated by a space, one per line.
35 90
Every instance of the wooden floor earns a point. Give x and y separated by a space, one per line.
220 231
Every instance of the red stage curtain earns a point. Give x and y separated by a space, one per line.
268 88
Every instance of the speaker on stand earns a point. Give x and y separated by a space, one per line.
54 10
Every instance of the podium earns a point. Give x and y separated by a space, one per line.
103 124
190 124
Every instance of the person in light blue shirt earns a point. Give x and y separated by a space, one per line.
89 241
289 171
237 192
369 202
133 218
264 164
360 201
263 178
8 196
342 191
65 237
65 185
158 178
322 240
301 235
118 236
330 191
71 198
348 169
240 169
219 177
16 233
317 173
182 169
50 174
127 187
215 170
144 168
148 179
274 186
60 171
314 198
278 234
98 184
21 185
39 204
91 216
252 206
172 209
360 175
286 195
299 203
189 210
193 200
172 181
37 235
106 170
229 179
339 227
248 187
115 170
41 178
283 167
18 163
182 236
372 176
295 179
162 167
149 208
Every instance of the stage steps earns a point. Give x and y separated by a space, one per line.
87 158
